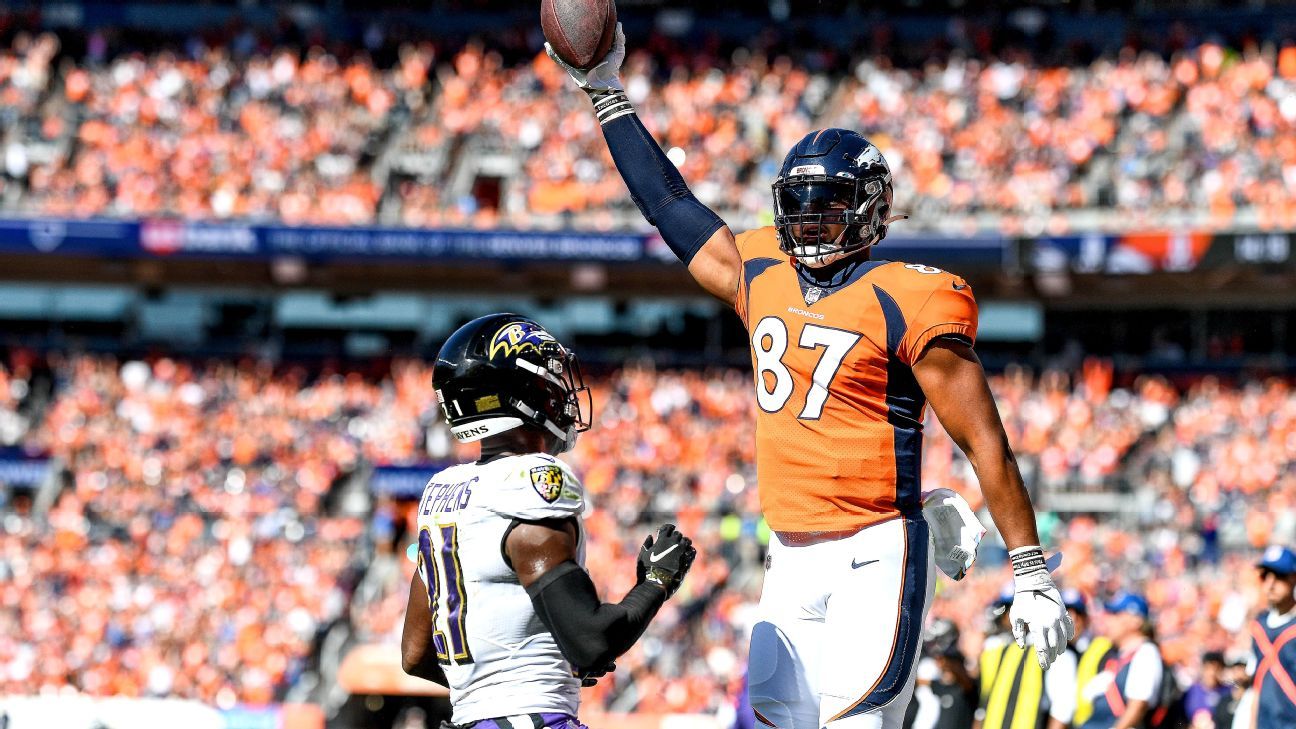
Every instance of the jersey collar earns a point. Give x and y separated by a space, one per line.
817 284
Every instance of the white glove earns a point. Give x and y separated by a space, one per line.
955 531
602 77
1037 611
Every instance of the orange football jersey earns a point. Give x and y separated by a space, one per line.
839 426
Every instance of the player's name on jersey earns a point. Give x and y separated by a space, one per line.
443 497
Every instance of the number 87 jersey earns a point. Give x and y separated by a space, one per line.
839 420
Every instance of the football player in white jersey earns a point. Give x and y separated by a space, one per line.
501 609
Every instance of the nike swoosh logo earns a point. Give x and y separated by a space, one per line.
958 287
1045 595
655 557
856 565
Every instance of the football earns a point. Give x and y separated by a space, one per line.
580 31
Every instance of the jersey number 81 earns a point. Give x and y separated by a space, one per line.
770 343
440 564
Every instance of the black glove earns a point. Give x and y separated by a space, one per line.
591 677
665 561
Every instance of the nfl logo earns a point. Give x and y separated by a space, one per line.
812 294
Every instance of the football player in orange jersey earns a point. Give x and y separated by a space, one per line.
848 351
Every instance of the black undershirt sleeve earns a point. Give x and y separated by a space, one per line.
590 633
655 184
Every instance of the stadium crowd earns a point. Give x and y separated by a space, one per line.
245 130
195 549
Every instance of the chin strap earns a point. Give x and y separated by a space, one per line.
567 436
801 259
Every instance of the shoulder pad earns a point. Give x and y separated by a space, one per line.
758 242
535 487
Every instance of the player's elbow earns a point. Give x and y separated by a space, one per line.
428 670
414 660
590 652
410 663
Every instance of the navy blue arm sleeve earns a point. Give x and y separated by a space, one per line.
591 633
658 189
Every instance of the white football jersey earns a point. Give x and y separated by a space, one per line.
498 657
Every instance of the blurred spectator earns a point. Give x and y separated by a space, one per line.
1127 690
1237 680
1092 652
1015 691
283 136
1272 634
1204 696
945 696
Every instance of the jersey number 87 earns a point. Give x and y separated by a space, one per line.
770 343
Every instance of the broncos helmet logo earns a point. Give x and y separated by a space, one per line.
513 339
869 157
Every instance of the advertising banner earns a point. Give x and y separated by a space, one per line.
169 238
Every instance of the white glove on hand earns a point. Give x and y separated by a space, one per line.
955 531
1037 611
604 76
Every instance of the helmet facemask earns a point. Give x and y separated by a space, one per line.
567 413
821 220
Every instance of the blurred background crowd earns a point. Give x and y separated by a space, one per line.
197 454
199 543
398 128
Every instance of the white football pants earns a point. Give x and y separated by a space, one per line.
840 628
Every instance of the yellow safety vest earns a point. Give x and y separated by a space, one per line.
1014 695
990 660
1091 664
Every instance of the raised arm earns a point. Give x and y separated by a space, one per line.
692 230
951 377
590 633
716 266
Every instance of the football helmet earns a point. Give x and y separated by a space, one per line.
501 371
941 638
832 177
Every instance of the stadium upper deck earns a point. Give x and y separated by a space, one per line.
983 135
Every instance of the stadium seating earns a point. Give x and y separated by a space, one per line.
208 526
1206 136
193 551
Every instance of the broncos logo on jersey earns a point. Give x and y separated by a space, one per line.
518 337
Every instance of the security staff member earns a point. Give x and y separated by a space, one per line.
1093 651
1016 692
998 636
1125 691
945 696
1273 641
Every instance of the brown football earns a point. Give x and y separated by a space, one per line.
580 31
